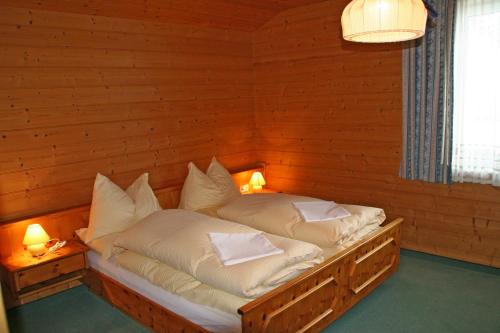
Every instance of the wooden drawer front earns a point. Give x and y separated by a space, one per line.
48 291
375 263
49 271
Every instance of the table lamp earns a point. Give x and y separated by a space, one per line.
35 239
257 181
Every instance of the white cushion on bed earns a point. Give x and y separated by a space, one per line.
82 233
114 210
201 191
143 196
222 178
102 245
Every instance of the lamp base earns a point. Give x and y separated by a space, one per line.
37 250
257 188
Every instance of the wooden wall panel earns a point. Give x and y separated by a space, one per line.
63 223
328 117
245 15
124 87
82 93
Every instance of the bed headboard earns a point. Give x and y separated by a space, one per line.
62 224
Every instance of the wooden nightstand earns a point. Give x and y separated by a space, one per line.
27 279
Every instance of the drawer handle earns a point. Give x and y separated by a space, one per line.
315 321
371 280
375 250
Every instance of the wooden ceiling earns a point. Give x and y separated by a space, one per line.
245 15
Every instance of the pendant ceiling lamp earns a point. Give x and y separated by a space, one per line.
383 21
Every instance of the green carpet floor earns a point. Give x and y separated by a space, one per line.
428 294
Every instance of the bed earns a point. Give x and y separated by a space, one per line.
317 297
307 303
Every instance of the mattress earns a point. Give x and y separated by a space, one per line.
211 319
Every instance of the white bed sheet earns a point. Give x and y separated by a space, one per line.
211 319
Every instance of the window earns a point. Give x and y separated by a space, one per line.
476 120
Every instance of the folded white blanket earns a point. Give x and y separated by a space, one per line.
236 248
179 238
318 211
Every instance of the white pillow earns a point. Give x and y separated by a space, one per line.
144 198
199 191
102 245
113 210
82 233
222 178
214 189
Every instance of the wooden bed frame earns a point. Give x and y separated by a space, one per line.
307 303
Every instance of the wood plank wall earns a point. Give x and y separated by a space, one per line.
81 94
328 117
241 15
223 14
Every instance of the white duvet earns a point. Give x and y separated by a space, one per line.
275 213
179 238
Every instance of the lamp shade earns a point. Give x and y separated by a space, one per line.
382 21
257 180
35 235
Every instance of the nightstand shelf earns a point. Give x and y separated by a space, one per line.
27 279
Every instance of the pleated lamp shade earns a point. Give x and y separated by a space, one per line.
383 21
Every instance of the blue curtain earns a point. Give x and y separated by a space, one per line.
428 99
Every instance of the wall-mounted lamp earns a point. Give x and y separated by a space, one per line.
35 239
383 21
257 181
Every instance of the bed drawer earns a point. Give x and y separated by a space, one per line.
377 261
49 271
